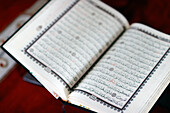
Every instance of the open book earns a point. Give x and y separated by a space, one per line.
87 53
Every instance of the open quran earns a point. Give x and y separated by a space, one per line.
86 53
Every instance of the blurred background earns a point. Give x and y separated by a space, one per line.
19 96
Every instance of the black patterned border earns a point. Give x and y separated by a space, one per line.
151 34
81 91
111 14
25 50
39 36
104 103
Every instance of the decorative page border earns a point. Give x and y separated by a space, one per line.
46 68
151 34
111 14
104 103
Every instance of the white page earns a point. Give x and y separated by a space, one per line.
29 45
130 76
